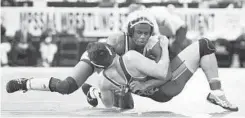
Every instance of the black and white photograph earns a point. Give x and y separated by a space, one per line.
122 58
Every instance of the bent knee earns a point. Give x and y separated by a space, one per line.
66 86
206 47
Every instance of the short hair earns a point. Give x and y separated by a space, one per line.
99 53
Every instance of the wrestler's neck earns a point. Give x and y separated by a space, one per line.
134 46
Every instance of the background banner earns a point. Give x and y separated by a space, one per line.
98 22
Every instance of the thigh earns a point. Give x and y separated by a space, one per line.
81 72
173 87
160 96
190 57
177 83
180 74
182 68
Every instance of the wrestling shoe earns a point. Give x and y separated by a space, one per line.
16 85
218 97
90 92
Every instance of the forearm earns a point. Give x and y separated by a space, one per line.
107 98
164 60
155 82
107 103
164 66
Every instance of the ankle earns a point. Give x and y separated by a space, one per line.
24 84
215 84
217 92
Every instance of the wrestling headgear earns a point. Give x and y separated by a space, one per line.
140 20
100 54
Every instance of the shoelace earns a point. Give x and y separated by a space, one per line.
19 81
93 90
225 102
89 97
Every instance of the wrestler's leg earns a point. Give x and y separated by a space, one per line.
198 53
180 72
78 76
191 59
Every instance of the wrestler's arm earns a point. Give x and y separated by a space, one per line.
147 66
156 52
157 49
161 53
107 97
152 82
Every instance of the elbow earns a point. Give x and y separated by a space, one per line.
107 104
165 71
107 101
162 76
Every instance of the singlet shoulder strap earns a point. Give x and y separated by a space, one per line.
111 80
126 42
127 75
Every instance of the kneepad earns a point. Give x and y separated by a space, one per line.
206 47
66 86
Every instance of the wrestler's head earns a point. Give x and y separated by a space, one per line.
100 54
140 30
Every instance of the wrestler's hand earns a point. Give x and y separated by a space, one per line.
162 41
142 88
138 86
122 91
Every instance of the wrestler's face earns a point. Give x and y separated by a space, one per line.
141 34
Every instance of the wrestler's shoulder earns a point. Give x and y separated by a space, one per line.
116 37
131 55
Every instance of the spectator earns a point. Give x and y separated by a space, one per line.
105 21
8 2
5 47
23 51
48 50
80 30
223 52
240 47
